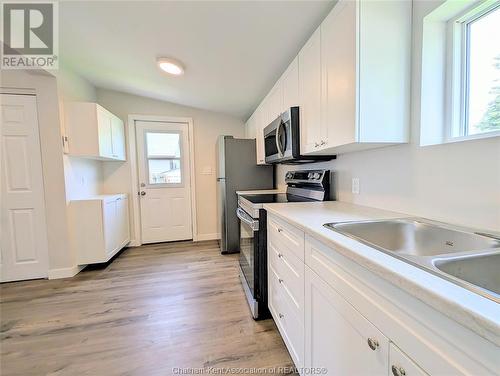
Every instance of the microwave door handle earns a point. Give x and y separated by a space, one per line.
278 132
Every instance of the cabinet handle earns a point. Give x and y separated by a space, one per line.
280 280
316 145
280 255
281 315
142 193
323 142
398 371
279 229
373 343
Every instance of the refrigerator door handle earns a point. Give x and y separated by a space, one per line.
221 179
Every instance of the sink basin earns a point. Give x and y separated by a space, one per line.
479 270
412 237
466 258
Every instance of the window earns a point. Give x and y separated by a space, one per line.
163 153
476 73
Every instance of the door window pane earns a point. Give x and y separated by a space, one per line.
161 144
483 113
164 171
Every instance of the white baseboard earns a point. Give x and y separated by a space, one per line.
65 272
202 237
134 243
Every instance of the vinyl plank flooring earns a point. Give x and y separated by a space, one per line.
151 309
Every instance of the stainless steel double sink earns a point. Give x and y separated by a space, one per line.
466 258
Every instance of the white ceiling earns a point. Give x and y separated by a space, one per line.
233 51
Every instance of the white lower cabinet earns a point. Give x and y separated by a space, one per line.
285 253
338 318
338 338
99 227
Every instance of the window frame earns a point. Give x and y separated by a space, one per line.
458 75
164 157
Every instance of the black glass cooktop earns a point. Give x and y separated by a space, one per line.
274 197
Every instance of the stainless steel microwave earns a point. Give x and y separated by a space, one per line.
282 140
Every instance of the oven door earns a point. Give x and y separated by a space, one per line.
249 243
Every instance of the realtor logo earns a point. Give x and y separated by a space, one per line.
29 35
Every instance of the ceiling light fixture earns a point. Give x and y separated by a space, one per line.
170 66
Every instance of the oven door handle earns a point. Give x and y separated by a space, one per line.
245 218
278 143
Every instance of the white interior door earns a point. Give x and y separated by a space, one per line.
164 181
23 238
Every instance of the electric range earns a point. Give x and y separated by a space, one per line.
302 186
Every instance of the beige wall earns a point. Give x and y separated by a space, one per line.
457 183
52 161
207 127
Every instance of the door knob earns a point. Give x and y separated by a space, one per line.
142 193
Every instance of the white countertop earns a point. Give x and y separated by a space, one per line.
473 311
260 192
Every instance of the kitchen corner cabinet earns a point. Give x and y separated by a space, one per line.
333 313
93 132
364 67
99 227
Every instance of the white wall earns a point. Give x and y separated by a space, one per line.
82 176
457 183
207 127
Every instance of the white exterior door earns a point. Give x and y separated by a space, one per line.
23 238
164 181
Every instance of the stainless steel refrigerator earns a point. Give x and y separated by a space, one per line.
237 170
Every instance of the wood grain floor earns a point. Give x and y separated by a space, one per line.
151 309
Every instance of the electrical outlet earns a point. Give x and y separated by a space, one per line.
355 186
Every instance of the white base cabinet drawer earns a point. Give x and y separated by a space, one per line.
288 319
338 338
285 236
290 271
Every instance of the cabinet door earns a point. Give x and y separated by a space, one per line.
122 221
104 133
250 131
110 225
275 101
310 93
401 365
338 65
117 138
259 136
337 336
290 83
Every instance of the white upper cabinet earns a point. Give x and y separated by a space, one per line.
351 80
365 75
260 115
250 131
290 85
93 132
338 69
275 102
310 93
